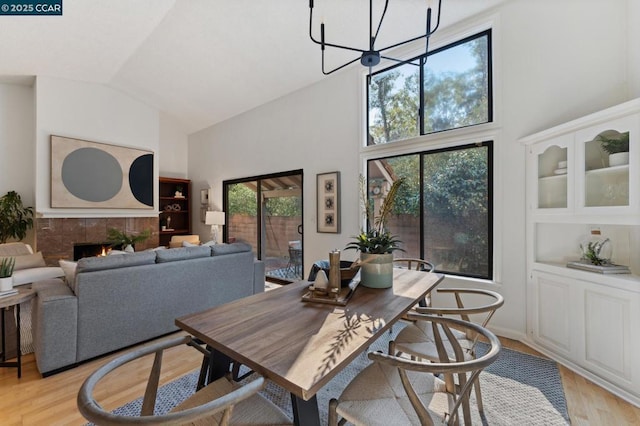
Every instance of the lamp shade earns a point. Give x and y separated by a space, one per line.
214 218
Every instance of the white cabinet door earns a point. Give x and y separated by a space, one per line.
554 299
610 348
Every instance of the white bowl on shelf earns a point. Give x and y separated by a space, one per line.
562 164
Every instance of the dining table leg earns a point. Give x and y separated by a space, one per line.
305 413
214 366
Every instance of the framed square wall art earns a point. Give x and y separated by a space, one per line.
328 202
88 174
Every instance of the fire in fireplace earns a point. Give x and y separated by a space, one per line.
81 250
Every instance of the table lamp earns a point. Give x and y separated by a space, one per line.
214 219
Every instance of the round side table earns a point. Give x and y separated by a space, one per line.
6 302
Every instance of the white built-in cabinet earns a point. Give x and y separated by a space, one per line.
588 321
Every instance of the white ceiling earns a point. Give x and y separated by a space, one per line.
201 61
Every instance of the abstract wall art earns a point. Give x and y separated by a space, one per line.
88 174
328 203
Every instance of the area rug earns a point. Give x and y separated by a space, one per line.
517 389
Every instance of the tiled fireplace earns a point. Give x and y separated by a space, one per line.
56 237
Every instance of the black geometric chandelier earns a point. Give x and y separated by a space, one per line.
370 56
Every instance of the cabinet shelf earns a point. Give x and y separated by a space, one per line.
180 219
611 170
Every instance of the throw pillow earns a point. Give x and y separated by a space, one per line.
27 261
14 249
209 243
69 269
188 244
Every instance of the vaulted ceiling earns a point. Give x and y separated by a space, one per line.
201 61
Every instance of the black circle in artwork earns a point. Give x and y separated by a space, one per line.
141 179
91 174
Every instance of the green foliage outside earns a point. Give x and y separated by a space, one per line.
451 99
455 189
242 201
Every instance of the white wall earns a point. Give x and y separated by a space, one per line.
95 113
553 62
172 148
314 129
633 53
17 145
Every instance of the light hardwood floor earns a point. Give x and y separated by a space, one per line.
33 400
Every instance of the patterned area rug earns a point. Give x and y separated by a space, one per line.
517 389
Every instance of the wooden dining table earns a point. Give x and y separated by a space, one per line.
300 345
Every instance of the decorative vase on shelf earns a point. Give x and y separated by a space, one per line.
129 248
618 159
596 249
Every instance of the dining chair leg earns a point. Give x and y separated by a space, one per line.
333 415
476 386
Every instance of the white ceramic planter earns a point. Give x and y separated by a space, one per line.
376 270
618 159
6 284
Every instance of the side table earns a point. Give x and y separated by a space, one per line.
24 294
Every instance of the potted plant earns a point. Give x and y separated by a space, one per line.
617 147
15 219
596 252
6 271
127 240
376 244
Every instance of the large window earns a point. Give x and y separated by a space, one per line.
453 87
443 212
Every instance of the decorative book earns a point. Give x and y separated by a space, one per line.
8 292
601 269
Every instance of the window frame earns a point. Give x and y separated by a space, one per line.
490 89
489 144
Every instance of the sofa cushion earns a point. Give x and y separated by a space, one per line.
182 253
27 261
15 249
221 249
101 263
31 275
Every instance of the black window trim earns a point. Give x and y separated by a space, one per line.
489 143
488 34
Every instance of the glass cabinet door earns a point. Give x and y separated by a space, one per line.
605 152
606 169
552 178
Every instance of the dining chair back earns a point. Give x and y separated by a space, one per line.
398 390
417 339
222 402
418 265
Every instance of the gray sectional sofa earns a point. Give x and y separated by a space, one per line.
116 301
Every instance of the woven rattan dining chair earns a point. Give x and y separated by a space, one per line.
395 390
418 341
417 265
222 402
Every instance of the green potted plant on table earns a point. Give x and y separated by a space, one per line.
376 244
617 147
6 272
15 219
127 241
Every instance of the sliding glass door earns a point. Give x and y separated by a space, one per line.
266 212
